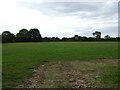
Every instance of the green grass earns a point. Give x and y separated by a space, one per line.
111 78
18 58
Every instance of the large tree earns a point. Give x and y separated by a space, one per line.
97 34
7 36
23 35
76 37
65 39
34 35
107 37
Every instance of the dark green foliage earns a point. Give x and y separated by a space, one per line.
46 39
76 37
107 37
65 39
22 35
7 36
28 36
53 38
97 34
34 35
57 39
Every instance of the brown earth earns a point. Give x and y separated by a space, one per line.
68 74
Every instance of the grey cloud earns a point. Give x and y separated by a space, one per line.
112 31
60 7
87 10
96 9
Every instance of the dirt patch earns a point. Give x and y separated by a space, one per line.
67 74
39 76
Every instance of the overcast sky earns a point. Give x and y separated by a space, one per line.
62 19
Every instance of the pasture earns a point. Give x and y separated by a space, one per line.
20 59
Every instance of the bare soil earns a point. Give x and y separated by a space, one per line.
68 74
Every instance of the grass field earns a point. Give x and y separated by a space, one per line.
19 59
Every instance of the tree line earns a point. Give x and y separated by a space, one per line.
33 35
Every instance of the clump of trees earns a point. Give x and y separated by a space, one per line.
7 36
33 35
97 34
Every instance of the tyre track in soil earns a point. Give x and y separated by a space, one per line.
57 75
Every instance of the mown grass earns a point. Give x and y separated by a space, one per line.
110 79
19 58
